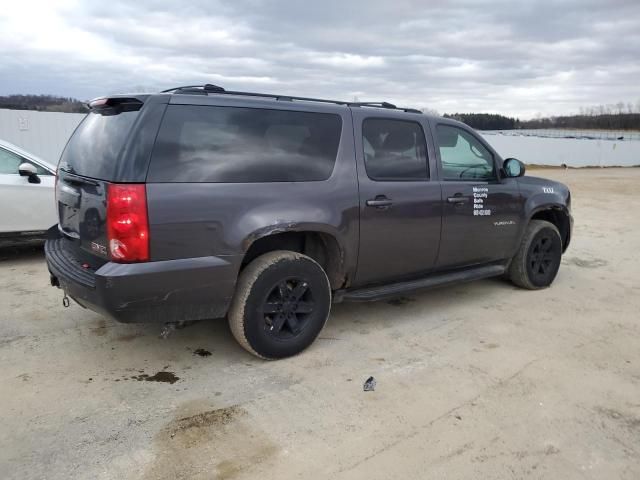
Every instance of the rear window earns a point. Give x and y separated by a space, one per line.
244 145
94 147
394 150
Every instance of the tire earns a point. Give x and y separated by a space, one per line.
537 261
281 304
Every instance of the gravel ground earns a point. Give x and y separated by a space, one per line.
474 381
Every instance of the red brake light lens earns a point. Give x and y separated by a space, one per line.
127 223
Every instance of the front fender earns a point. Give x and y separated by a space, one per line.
542 195
551 209
535 205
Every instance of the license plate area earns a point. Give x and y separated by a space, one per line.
69 220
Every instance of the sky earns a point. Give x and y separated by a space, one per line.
519 58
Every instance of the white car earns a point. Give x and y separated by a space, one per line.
27 198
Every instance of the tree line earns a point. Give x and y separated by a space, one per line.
43 103
619 116
485 121
606 121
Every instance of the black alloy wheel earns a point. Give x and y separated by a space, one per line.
281 304
287 308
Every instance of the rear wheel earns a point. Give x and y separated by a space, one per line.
537 262
281 304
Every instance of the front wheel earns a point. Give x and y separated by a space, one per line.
281 304
538 259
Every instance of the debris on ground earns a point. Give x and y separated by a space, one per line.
167 329
370 384
170 327
165 377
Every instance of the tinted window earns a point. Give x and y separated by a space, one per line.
230 144
462 155
394 150
9 163
94 147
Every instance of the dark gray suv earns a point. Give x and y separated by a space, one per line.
200 203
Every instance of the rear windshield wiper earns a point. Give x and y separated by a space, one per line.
78 180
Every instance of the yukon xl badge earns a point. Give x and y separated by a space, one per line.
96 247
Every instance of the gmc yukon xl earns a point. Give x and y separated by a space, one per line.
199 203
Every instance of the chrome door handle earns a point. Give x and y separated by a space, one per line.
379 202
456 199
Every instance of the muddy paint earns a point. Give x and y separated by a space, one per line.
129 337
165 377
211 418
202 352
100 329
223 442
400 301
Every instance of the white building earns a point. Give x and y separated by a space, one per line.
42 133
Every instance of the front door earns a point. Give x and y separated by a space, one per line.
481 210
26 206
400 204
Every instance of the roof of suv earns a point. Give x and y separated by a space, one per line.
208 89
213 91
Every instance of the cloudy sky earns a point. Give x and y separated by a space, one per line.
512 57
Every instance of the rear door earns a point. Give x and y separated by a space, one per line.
26 206
97 153
481 210
400 205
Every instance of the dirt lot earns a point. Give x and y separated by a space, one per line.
474 381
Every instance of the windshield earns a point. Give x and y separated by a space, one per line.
94 147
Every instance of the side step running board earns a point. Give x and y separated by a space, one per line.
369 294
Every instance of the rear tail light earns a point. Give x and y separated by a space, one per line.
127 223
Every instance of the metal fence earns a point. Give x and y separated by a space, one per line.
618 135
573 152
42 133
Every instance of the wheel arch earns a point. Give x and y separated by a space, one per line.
559 216
321 246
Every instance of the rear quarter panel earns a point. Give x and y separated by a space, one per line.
223 219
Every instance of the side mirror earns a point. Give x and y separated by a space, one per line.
28 170
513 168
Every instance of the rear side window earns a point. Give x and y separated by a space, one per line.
244 145
394 150
94 147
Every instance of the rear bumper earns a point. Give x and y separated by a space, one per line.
164 291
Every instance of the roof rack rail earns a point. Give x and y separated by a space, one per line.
384 105
208 88
373 104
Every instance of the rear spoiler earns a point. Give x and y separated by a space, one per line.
116 105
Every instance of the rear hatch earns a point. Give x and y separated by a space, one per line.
90 162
